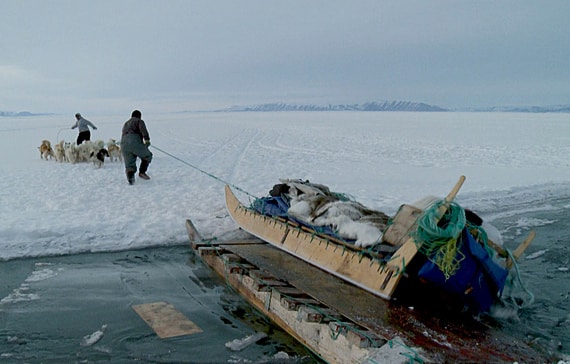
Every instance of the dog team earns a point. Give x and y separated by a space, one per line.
88 151
135 138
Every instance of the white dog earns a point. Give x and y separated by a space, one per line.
99 144
70 152
84 151
59 152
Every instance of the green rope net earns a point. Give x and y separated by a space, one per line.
439 240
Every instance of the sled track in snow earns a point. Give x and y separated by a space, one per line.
226 158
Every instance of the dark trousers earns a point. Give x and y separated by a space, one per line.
83 136
133 147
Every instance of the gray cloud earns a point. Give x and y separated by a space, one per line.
64 56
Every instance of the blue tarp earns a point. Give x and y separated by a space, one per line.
478 280
278 207
271 206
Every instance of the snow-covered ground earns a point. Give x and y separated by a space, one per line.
381 159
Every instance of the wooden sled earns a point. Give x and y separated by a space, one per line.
376 273
357 266
340 322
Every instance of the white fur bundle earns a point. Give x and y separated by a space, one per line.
317 206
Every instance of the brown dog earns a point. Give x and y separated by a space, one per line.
114 150
45 150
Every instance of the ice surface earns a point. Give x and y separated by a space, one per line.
380 159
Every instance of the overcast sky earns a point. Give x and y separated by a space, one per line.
173 55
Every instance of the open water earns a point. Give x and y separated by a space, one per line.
542 314
78 308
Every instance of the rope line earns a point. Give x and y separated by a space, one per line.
60 130
204 172
518 279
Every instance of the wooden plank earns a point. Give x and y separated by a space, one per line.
289 291
166 320
402 224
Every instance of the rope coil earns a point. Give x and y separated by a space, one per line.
438 239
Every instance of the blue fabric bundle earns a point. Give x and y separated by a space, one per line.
271 206
278 207
478 280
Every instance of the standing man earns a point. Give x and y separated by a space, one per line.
83 125
134 143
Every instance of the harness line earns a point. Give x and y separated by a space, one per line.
202 171
57 137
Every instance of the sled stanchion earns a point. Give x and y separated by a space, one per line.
521 249
451 196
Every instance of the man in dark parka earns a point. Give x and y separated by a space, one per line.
135 141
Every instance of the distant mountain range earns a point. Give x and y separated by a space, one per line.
393 106
15 114
531 109
369 106
404 106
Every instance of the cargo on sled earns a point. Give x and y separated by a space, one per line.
433 243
